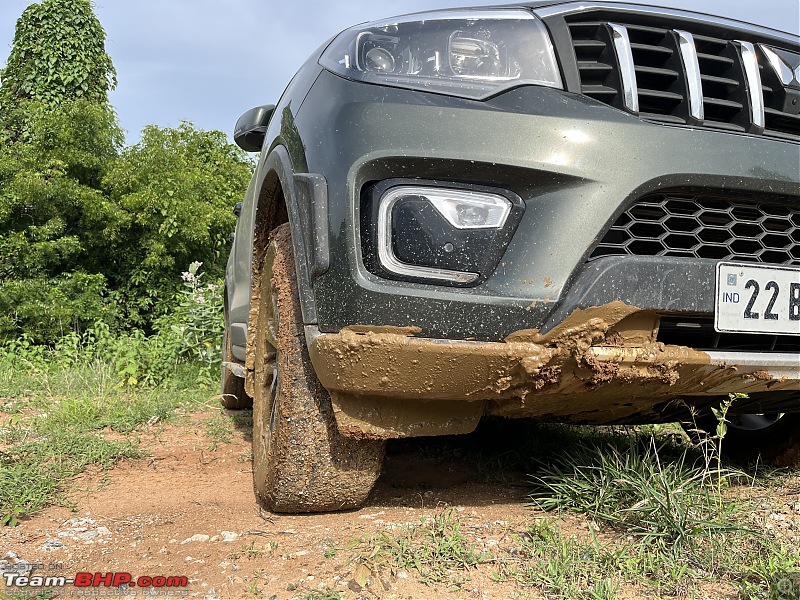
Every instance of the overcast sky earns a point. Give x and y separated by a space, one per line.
207 61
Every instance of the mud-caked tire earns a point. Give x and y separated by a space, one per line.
301 463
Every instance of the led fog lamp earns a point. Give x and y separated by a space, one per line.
466 53
436 232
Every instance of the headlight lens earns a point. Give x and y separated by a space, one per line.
471 54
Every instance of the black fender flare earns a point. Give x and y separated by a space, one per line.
306 198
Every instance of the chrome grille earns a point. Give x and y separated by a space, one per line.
683 77
705 226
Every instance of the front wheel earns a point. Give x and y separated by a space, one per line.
301 463
772 438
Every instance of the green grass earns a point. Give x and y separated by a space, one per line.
629 512
58 415
668 510
219 428
434 548
563 567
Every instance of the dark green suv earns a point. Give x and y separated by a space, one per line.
585 212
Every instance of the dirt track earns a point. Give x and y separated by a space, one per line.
190 511
141 517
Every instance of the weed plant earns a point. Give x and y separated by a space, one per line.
435 548
664 506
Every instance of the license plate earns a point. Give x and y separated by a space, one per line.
757 299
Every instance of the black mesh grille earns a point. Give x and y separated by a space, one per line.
663 89
698 332
706 226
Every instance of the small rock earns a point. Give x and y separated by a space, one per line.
214 538
229 536
777 517
52 545
302 552
103 531
88 535
197 537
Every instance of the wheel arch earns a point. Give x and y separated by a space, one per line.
301 200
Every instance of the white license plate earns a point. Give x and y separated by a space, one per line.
757 299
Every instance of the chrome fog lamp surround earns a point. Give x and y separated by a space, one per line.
466 53
463 209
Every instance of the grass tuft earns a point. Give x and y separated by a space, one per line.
55 415
666 509
435 548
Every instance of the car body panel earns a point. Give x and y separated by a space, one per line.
578 164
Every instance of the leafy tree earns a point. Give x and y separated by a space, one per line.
89 231
57 136
175 192
53 220
58 56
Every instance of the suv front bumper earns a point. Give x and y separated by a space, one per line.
600 365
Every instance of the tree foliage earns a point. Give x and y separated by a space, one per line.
53 214
90 230
58 56
87 234
174 192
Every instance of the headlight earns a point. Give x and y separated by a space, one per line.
472 54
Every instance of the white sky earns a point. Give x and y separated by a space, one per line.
207 61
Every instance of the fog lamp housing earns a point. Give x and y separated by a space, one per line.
435 232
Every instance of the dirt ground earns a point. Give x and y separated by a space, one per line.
190 511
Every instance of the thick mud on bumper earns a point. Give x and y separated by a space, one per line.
599 366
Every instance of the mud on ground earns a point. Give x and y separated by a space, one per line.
190 511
